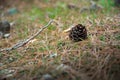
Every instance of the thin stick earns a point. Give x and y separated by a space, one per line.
23 42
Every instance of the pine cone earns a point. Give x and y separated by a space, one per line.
4 29
78 33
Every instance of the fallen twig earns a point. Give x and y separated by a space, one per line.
23 42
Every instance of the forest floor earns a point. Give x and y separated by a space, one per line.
52 55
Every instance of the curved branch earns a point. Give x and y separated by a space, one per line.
23 42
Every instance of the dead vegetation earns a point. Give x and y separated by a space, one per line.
51 55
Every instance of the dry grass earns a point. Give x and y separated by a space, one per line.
96 58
